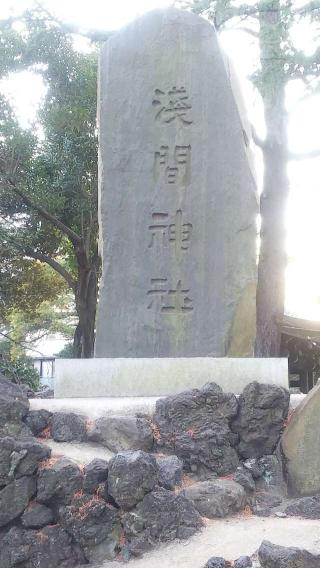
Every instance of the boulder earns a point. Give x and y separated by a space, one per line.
131 475
195 425
19 457
263 408
162 516
59 481
243 562
94 525
15 497
14 406
68 427
216 562
244 478
49 548
46 392
216 498
94 473
38 420
37 516
274 556
264 504
306 507
255 467
272 479
170 471
120 433
300 446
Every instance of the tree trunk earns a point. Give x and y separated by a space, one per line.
86 302
272 260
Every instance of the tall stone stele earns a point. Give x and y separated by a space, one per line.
178 199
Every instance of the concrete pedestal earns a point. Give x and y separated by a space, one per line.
154 377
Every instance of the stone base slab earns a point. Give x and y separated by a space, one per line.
153 377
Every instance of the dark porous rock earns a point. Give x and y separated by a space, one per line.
68 427
120 433
38 420
58 481
195 425
306 507
272 479
274 556
44 393
94 525
216 562
15 497
94 473
217 498
14 406
263 408
170 471
244 478
50 547
132 474
37 516
162 516
265 503
19 457
255 467
243 562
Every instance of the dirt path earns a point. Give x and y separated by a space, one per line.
230 538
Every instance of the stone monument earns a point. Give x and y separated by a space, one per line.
178 201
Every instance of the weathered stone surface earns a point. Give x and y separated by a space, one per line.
120 433
255 467
94 525
177 189
49 548
272 479
243 562
170 471
37 516
14 406
15 497
59 481
68 427
216 562
19 457
94 473
194 425
244 478
264 504
131 475
306 507
260 420
216 498
273 556
162 516
300 445
38 420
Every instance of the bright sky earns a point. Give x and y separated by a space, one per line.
303 281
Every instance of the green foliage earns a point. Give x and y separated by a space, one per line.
66 352
20 371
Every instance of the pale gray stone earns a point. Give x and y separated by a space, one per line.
177 196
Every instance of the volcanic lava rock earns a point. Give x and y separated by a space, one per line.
244 478
94 473
37 516
38 420
263 408
243 562
306 507
132 474
14 406
170 471
195 425
94 525
264 504
59 481
216 498
49 548
15 497
216 562
162 516
68 427
121 433
273 556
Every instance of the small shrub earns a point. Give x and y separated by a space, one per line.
20 371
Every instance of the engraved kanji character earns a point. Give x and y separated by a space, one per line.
169 300
158 229
174 104
180 233
175 165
